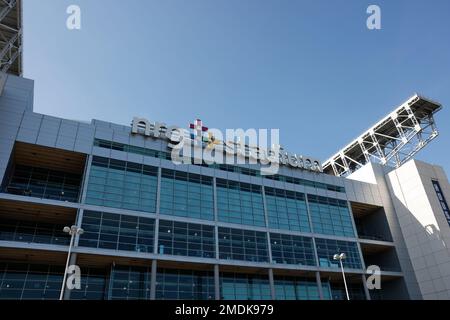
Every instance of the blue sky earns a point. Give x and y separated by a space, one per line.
310 68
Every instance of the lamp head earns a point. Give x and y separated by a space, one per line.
339 256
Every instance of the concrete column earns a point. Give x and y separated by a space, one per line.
366 290
153 280
319 285
217 281
85 182
272 284
266 217
158 201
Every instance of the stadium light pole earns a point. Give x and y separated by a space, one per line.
340 257
72 231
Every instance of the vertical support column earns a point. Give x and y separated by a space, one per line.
272 284
79 219
216 242
308 211
217 281
158 191
153 280
352 218
85 182
366 290
316 255
78 223
216 219
319 285
266 216
111 281
84 186
158 201
155 247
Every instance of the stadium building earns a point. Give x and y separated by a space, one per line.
157 230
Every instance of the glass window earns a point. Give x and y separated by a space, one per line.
336 291
19 281
236 244
442 200
117 232
287 210
44 183
235 286
184 285
224 167
36 232
240 203
289 249
130 283
330 216
186 239
187 195
294 288
327 248
120 184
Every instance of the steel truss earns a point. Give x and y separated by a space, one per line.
11 36
392 141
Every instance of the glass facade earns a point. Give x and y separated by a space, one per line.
120 184
294 288
133 283
186 239
44 183
245 245
30 282
289 249
355 291
94 284
34 232
186 195
224 167
129 283
235 286
287 210
117 232
184 285
246 222
327 248
240 203
330 216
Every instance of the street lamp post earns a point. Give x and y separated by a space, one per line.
340 257
72 231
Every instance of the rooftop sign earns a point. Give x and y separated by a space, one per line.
239 147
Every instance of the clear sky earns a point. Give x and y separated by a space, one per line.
310 68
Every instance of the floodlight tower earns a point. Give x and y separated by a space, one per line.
11 37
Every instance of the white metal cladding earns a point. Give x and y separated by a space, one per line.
392 141
11 36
